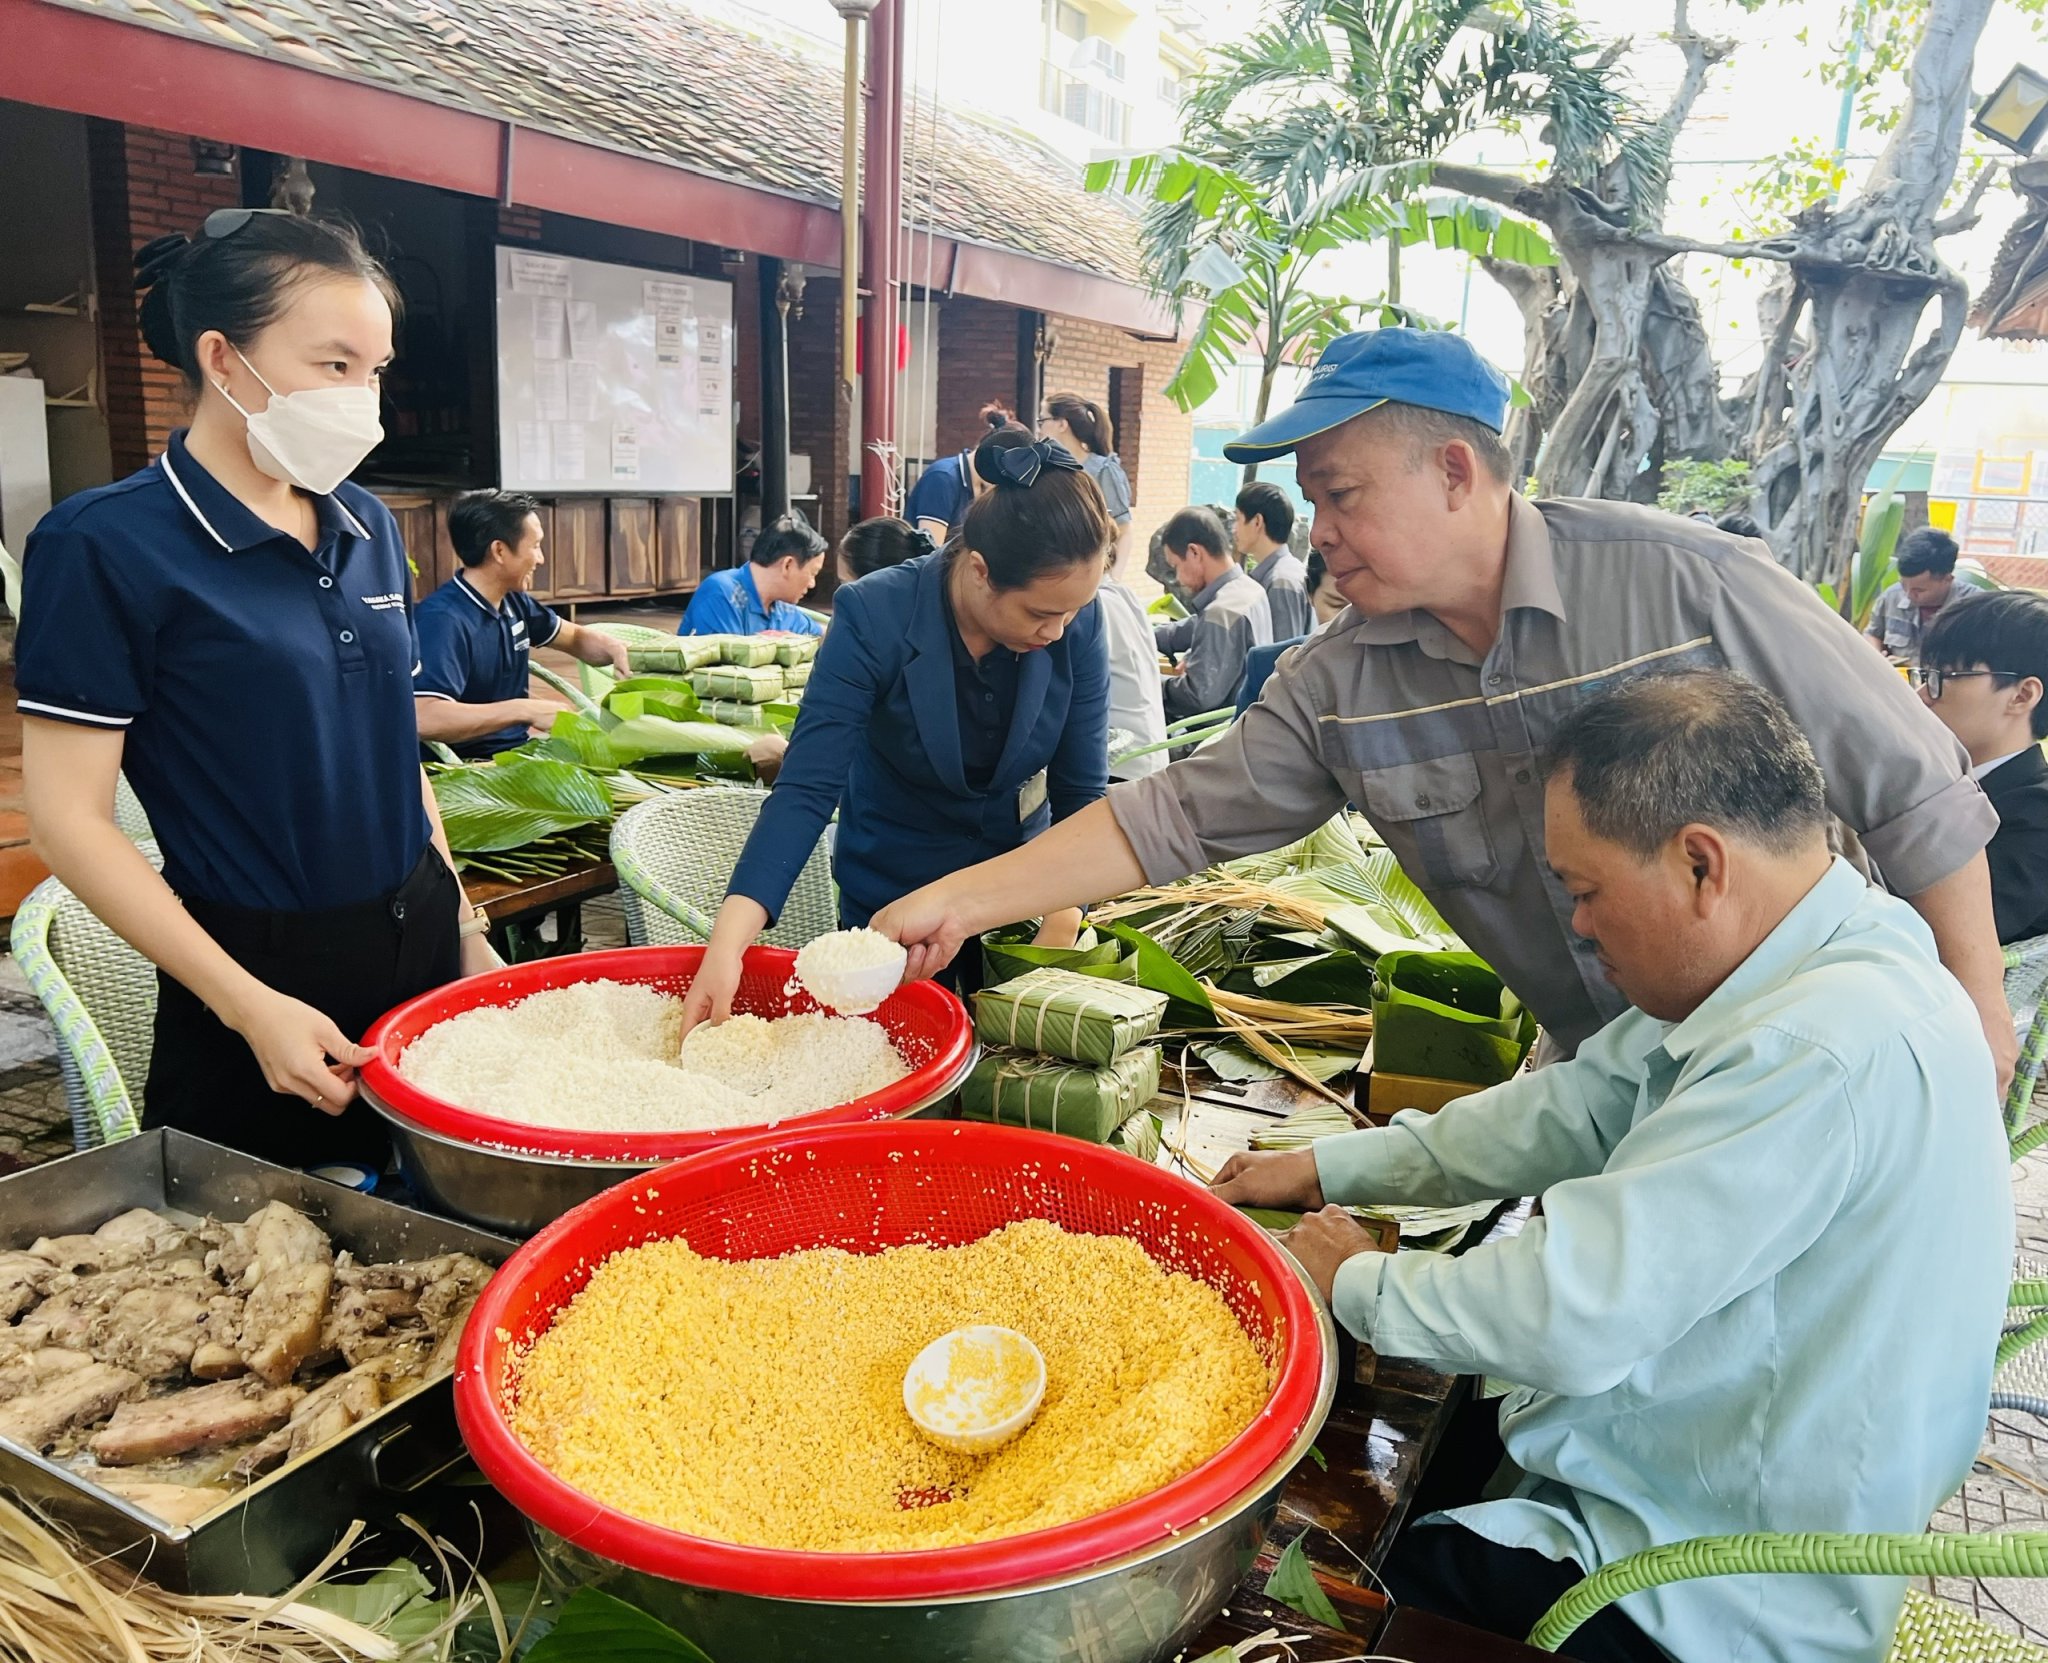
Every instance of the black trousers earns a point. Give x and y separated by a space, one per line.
352 963
1457 1573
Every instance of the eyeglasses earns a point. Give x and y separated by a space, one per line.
225 222
1932 681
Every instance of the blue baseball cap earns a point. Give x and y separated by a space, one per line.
1360 372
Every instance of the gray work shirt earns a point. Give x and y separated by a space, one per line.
1898 626
1443 750
1285 580
1229 618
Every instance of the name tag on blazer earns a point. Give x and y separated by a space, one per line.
1031 797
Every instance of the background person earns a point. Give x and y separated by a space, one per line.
1325 599
1135 706
1927 583
1798 1074
1983 665
1262 525
877 544
479 630
957 709
938 502
1084 427
1478 619
780 570
1227 617
230 625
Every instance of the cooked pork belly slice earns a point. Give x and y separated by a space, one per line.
29 1371
75 1397
200 1418
23 1279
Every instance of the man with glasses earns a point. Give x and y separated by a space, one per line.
1983 666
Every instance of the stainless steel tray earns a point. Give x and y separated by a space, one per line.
272 1533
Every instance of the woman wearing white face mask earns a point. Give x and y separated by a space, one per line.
232 625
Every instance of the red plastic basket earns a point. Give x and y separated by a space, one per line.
865 1188
929 1025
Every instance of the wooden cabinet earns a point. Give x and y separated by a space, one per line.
423 524
577 549
633 552
679 562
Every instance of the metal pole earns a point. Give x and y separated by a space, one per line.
882 221
854 11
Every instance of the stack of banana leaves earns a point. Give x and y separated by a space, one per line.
1267 961
548 806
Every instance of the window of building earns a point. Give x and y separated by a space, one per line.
1065 95
1170 89
1066 20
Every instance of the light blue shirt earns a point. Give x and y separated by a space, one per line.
727 603
1765 1287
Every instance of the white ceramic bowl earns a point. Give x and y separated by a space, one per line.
958 1420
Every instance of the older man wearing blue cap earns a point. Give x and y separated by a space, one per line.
1478 620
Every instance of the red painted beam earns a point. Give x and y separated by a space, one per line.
1014 279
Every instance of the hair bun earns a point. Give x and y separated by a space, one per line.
155 258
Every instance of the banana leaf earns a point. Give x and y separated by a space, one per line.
1340 978
648 736
1447 1016
1007 960
676 707
502 807
1160 971
1240 1065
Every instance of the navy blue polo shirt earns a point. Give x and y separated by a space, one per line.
265 691
472 652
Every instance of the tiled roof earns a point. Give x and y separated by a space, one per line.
656 78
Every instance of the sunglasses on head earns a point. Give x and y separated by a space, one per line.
225 222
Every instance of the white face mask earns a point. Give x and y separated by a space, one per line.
313 439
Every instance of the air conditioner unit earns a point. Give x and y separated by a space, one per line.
1098 54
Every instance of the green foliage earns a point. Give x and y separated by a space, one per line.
596 1628
1293 1583
1715 487
1802 176
485 809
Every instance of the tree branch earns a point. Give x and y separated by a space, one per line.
1502 188
1966 216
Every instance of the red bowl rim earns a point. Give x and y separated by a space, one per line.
1009 1562
391 1032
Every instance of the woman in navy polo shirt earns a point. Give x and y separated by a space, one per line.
232 626
959 705
939 501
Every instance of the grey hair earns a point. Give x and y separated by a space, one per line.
1424 428
1705 747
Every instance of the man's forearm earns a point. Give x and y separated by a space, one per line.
448 722
1083 858
1958 911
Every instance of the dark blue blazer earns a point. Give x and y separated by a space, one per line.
878 739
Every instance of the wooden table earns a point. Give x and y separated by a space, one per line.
516 908
1384 1426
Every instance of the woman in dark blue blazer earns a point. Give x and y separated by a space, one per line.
958 707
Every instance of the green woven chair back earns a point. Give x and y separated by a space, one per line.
101 996
675 855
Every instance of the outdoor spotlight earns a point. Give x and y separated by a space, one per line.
210 156
2016 113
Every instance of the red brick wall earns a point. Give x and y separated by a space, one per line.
977 362
142 186
820 420
1157 442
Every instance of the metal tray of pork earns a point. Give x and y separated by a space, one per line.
211 1365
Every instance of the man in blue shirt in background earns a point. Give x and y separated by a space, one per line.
762 594
1708 1320
479 630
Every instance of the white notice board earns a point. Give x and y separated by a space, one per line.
612 378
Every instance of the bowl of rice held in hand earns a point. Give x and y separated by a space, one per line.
694 1389
514 1095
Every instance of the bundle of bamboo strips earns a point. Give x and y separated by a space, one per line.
1215 890
58 1608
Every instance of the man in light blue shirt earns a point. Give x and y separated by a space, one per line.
1767 1279
762 595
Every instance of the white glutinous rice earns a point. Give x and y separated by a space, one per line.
603 1056
850 971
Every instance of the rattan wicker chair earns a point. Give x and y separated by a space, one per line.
1929 1630
2026 991
101 996
675 854
128 813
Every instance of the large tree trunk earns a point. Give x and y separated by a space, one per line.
1867 277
